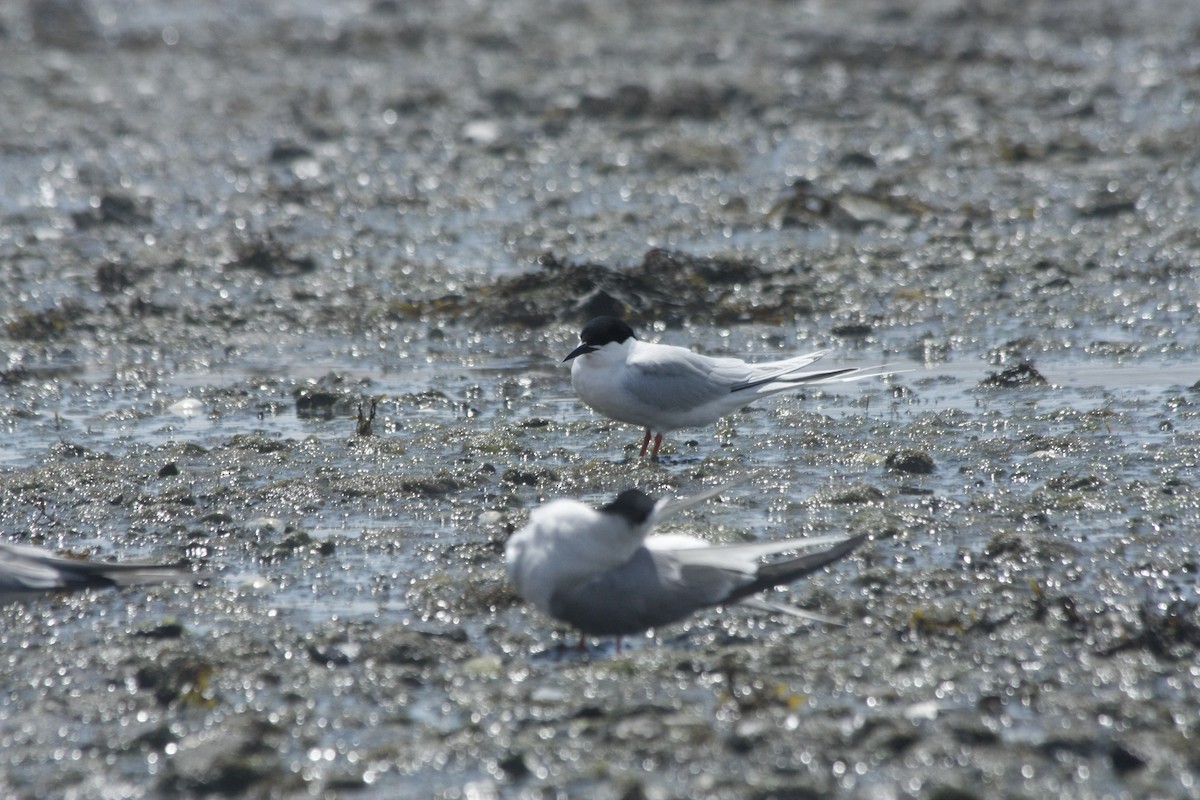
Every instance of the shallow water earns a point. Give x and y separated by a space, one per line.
1073 493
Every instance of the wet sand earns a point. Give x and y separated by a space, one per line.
223 228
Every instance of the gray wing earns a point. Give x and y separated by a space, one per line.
674 378
648 591
656 588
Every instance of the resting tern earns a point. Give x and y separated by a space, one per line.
600 571
31 569
663 388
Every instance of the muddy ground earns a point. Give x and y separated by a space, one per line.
225 226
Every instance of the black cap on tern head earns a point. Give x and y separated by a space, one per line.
633 505
599 332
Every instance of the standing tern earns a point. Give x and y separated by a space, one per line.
663 388
600 571
31 569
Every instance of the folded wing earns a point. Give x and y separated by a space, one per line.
658 587
648 591
674 379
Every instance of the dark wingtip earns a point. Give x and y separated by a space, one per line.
782 572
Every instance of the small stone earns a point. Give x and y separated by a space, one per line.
853 330
315 403
1019 375
187 407
1124 760
951 793
334 654
917 462
66 24
167 630
855 495
486 666
514 766
548 695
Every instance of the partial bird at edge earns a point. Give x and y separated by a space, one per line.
26 569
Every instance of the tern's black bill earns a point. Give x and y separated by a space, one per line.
578 351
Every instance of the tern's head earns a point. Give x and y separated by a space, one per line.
599 332
633 506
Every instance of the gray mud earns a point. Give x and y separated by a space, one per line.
224 227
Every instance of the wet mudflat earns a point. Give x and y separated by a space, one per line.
224 228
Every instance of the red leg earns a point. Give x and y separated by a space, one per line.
645 444
657 444
582 642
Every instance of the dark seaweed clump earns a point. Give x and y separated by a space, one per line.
666 287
